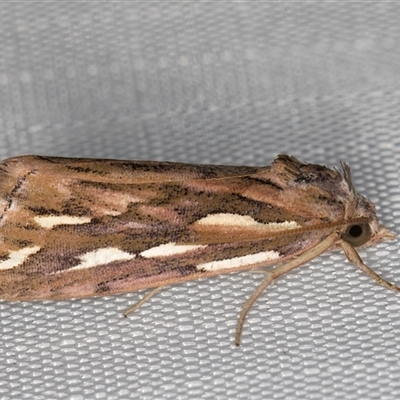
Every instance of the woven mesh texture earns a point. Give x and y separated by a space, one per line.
230 83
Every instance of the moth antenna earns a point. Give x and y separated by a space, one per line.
247 306
139 304
354 257
279 271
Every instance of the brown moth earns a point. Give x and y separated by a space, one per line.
87 227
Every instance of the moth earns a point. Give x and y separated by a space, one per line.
73 228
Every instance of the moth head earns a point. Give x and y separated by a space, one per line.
357 234
365 230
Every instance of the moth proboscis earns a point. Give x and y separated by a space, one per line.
88 227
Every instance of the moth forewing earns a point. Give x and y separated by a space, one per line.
87 227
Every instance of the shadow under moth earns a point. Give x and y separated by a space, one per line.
87 227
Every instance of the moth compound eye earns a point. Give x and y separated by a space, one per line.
357 234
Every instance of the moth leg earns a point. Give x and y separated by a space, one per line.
279 271
148 296
353 257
